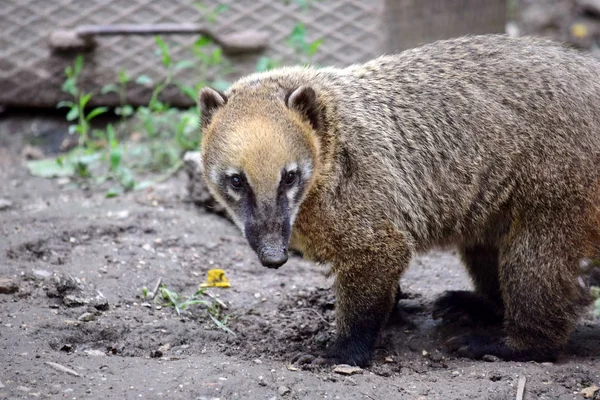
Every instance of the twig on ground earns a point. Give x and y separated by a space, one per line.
156 287
521 387
62 368
316 312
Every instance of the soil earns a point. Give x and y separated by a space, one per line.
73 264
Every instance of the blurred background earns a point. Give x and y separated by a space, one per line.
129 70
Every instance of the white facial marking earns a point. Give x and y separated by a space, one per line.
233 193
214 176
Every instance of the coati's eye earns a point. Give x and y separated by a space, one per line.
236 181
290 178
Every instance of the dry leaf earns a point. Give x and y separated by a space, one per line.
216 278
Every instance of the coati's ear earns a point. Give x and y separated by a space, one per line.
210 101
304 101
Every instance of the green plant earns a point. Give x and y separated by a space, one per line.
180 303
124 110
78 104
304 49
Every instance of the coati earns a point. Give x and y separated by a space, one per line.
488 143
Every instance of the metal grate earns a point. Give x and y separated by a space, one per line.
31 75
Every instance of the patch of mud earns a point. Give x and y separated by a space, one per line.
56 248
302 323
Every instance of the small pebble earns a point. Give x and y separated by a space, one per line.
344 369
283 390
261 381
86 317
5 204
490 358
257 361
8 286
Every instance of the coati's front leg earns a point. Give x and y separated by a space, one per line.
366 289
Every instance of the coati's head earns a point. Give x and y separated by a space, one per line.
260 154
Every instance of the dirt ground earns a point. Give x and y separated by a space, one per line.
119 346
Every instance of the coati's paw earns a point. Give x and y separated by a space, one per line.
467 308
477 346
337 354
310 361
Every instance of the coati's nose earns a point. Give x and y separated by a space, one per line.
273 257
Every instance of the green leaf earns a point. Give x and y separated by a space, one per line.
184 64
125 111
164 50
73 114
82 169
297 38
125 178
216 56
62 104
123 77
314 47
50 168
144 80
69 86
265 63
188 91
114 192
221 325
72 129
112 136
202 41
83 100
95 112
111 87
78 65
115 158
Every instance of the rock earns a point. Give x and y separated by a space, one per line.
76 293
86 317
283 390
5 204
197 190
94 353
2 386
261 381
590 392
42 273
32 153
590 6
344 369
8 286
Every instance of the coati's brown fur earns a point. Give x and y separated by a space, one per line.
487 142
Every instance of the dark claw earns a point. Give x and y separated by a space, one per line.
302 359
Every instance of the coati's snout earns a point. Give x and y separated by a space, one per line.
260 151
267 229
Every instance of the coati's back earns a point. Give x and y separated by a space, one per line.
455 130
